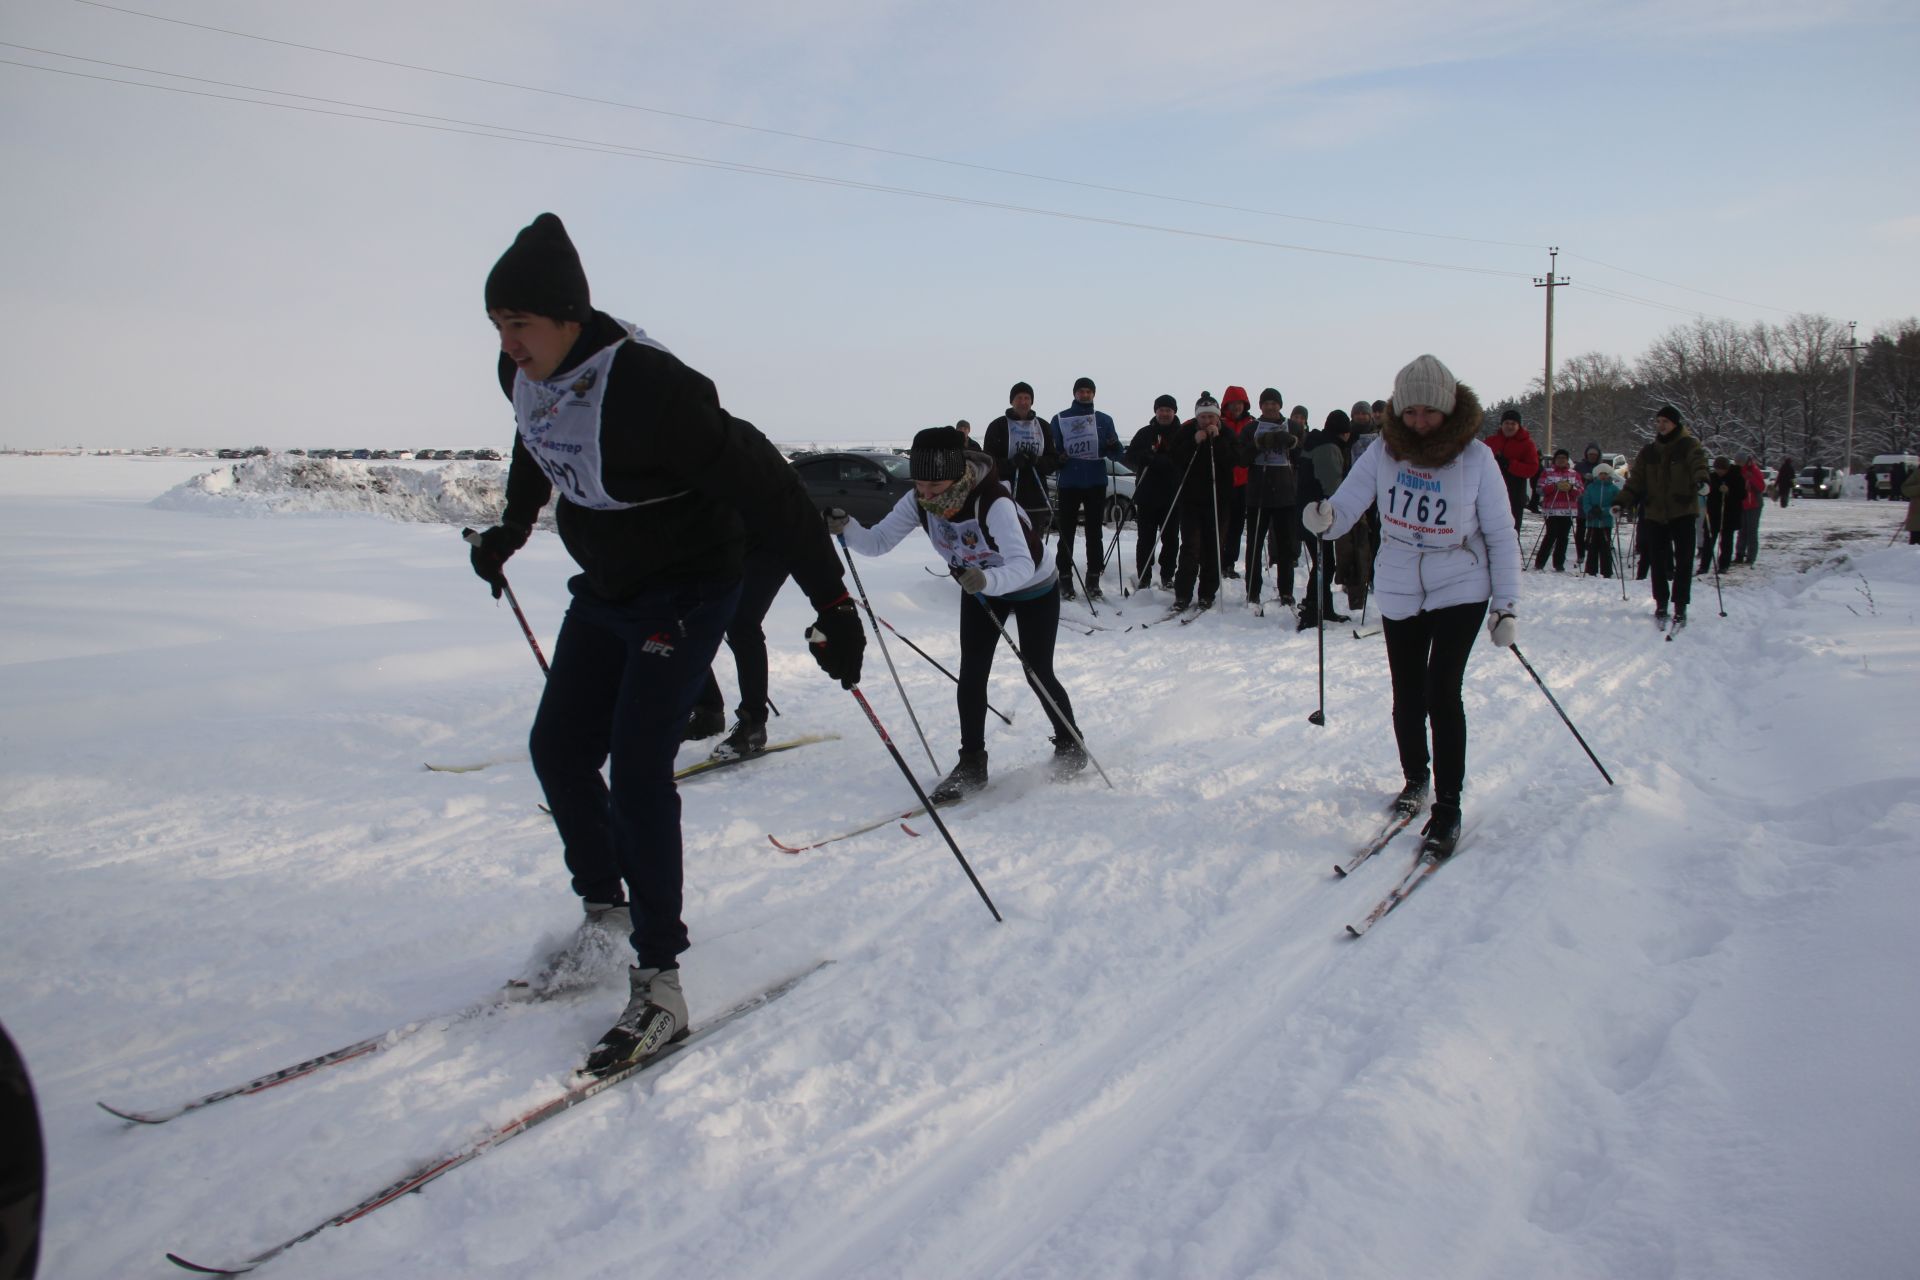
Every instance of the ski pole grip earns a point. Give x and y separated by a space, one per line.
470 536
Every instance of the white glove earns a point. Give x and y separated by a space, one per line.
1704 489
972 580
1502 627
1317 517
837 520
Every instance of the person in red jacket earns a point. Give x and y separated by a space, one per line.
1518 458
1747 546
1235 422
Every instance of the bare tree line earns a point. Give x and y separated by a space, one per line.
1770 389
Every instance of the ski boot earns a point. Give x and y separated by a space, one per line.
1442 831
591 956
749 738
969 776
1069 757
704 722
655 1016
1412 798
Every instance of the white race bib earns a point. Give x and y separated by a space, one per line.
559 423
1080 437
1026 435
963 544
1424 507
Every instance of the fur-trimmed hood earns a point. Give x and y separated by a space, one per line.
1460 429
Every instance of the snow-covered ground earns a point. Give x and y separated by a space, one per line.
1662 1029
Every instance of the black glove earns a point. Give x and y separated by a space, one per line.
836 639
837 520
492 549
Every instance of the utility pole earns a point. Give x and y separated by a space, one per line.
1551 283
1853 350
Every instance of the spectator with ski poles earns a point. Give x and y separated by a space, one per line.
1235 421
1150 456
1519 460
654 482
1589 459
1206 460
1084 438
1448 550
1666 482
1021 446
1560 489
1353 550
1726 493
1321 470
1596 508
993 551
1272 498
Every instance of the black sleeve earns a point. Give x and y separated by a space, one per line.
528 488
1140 449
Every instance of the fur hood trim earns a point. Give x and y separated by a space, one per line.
1447 442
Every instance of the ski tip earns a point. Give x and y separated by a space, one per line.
199 1269
784 848
1352 932
132 1117
1339 872
910 831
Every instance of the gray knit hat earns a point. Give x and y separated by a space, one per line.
1426 381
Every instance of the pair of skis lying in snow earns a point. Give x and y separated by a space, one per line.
579 1089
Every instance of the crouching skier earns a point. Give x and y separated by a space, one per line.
653 476
993 551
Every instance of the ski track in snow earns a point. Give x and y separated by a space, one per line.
1657 1030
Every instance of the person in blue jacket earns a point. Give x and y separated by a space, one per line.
1084 438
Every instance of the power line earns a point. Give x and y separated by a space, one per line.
801 137
1684 288
1638 301
506 133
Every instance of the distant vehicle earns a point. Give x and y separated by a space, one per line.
464 455
487 455
1818 482
1887 471
866 485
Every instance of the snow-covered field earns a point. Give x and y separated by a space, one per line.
1663 1029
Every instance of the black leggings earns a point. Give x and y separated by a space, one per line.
1427 655
1039 624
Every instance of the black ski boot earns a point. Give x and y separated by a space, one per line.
1442 831
655 1016
1412 798
1066 589
969 776
704 722
1069 757
749 738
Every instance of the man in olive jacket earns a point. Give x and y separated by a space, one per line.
1667 481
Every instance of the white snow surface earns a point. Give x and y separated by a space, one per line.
1660 1029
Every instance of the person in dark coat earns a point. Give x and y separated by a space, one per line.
1783 480
1203 452
1084 439
1266 453
1519 460
1321 467
1150 456
1666 482
1726 495
1024 455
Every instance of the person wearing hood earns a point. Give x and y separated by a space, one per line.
1084 438
1272 498
1448 550
1747 548
993 552
1322 469
1519 460
1150 456
1022 449
656 487
1596 509
1666 482
1235 421
1589 459
1203 454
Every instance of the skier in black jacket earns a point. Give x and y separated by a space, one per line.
1203 452
653 479
1150 456
1023 455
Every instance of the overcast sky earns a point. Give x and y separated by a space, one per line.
192 270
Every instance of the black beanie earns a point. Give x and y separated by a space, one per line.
1271 394
1019 387
939 453
1338 422
1166 402
1512 415
1080 383
540 274
1671 414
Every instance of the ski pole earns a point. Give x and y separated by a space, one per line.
1213 491
474 538
1716 586
1041 689
1173 512
1126 513
1563 715
1537 538
1320 546
1007 719
861 587
1619 566
925 803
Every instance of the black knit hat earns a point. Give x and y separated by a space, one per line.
939 453
1082 384
540 274
1018 388
1271 394
1338 422
1512 415
1166 402
1671 414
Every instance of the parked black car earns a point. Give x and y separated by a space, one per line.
864 485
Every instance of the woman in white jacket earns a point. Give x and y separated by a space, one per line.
1447 551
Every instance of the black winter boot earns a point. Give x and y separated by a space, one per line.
1442 831
1412 798
749 738
1069 757
969 776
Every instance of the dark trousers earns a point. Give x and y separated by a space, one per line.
1233 515
1747 546
1721 533
1039 624
1199 551
1554 542
1427 655
1276 531
624 677
1599 555
1081 508
1156 526
1516 498
1319 584
1669 548
1786 491
748 641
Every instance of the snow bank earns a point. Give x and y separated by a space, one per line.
459 493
